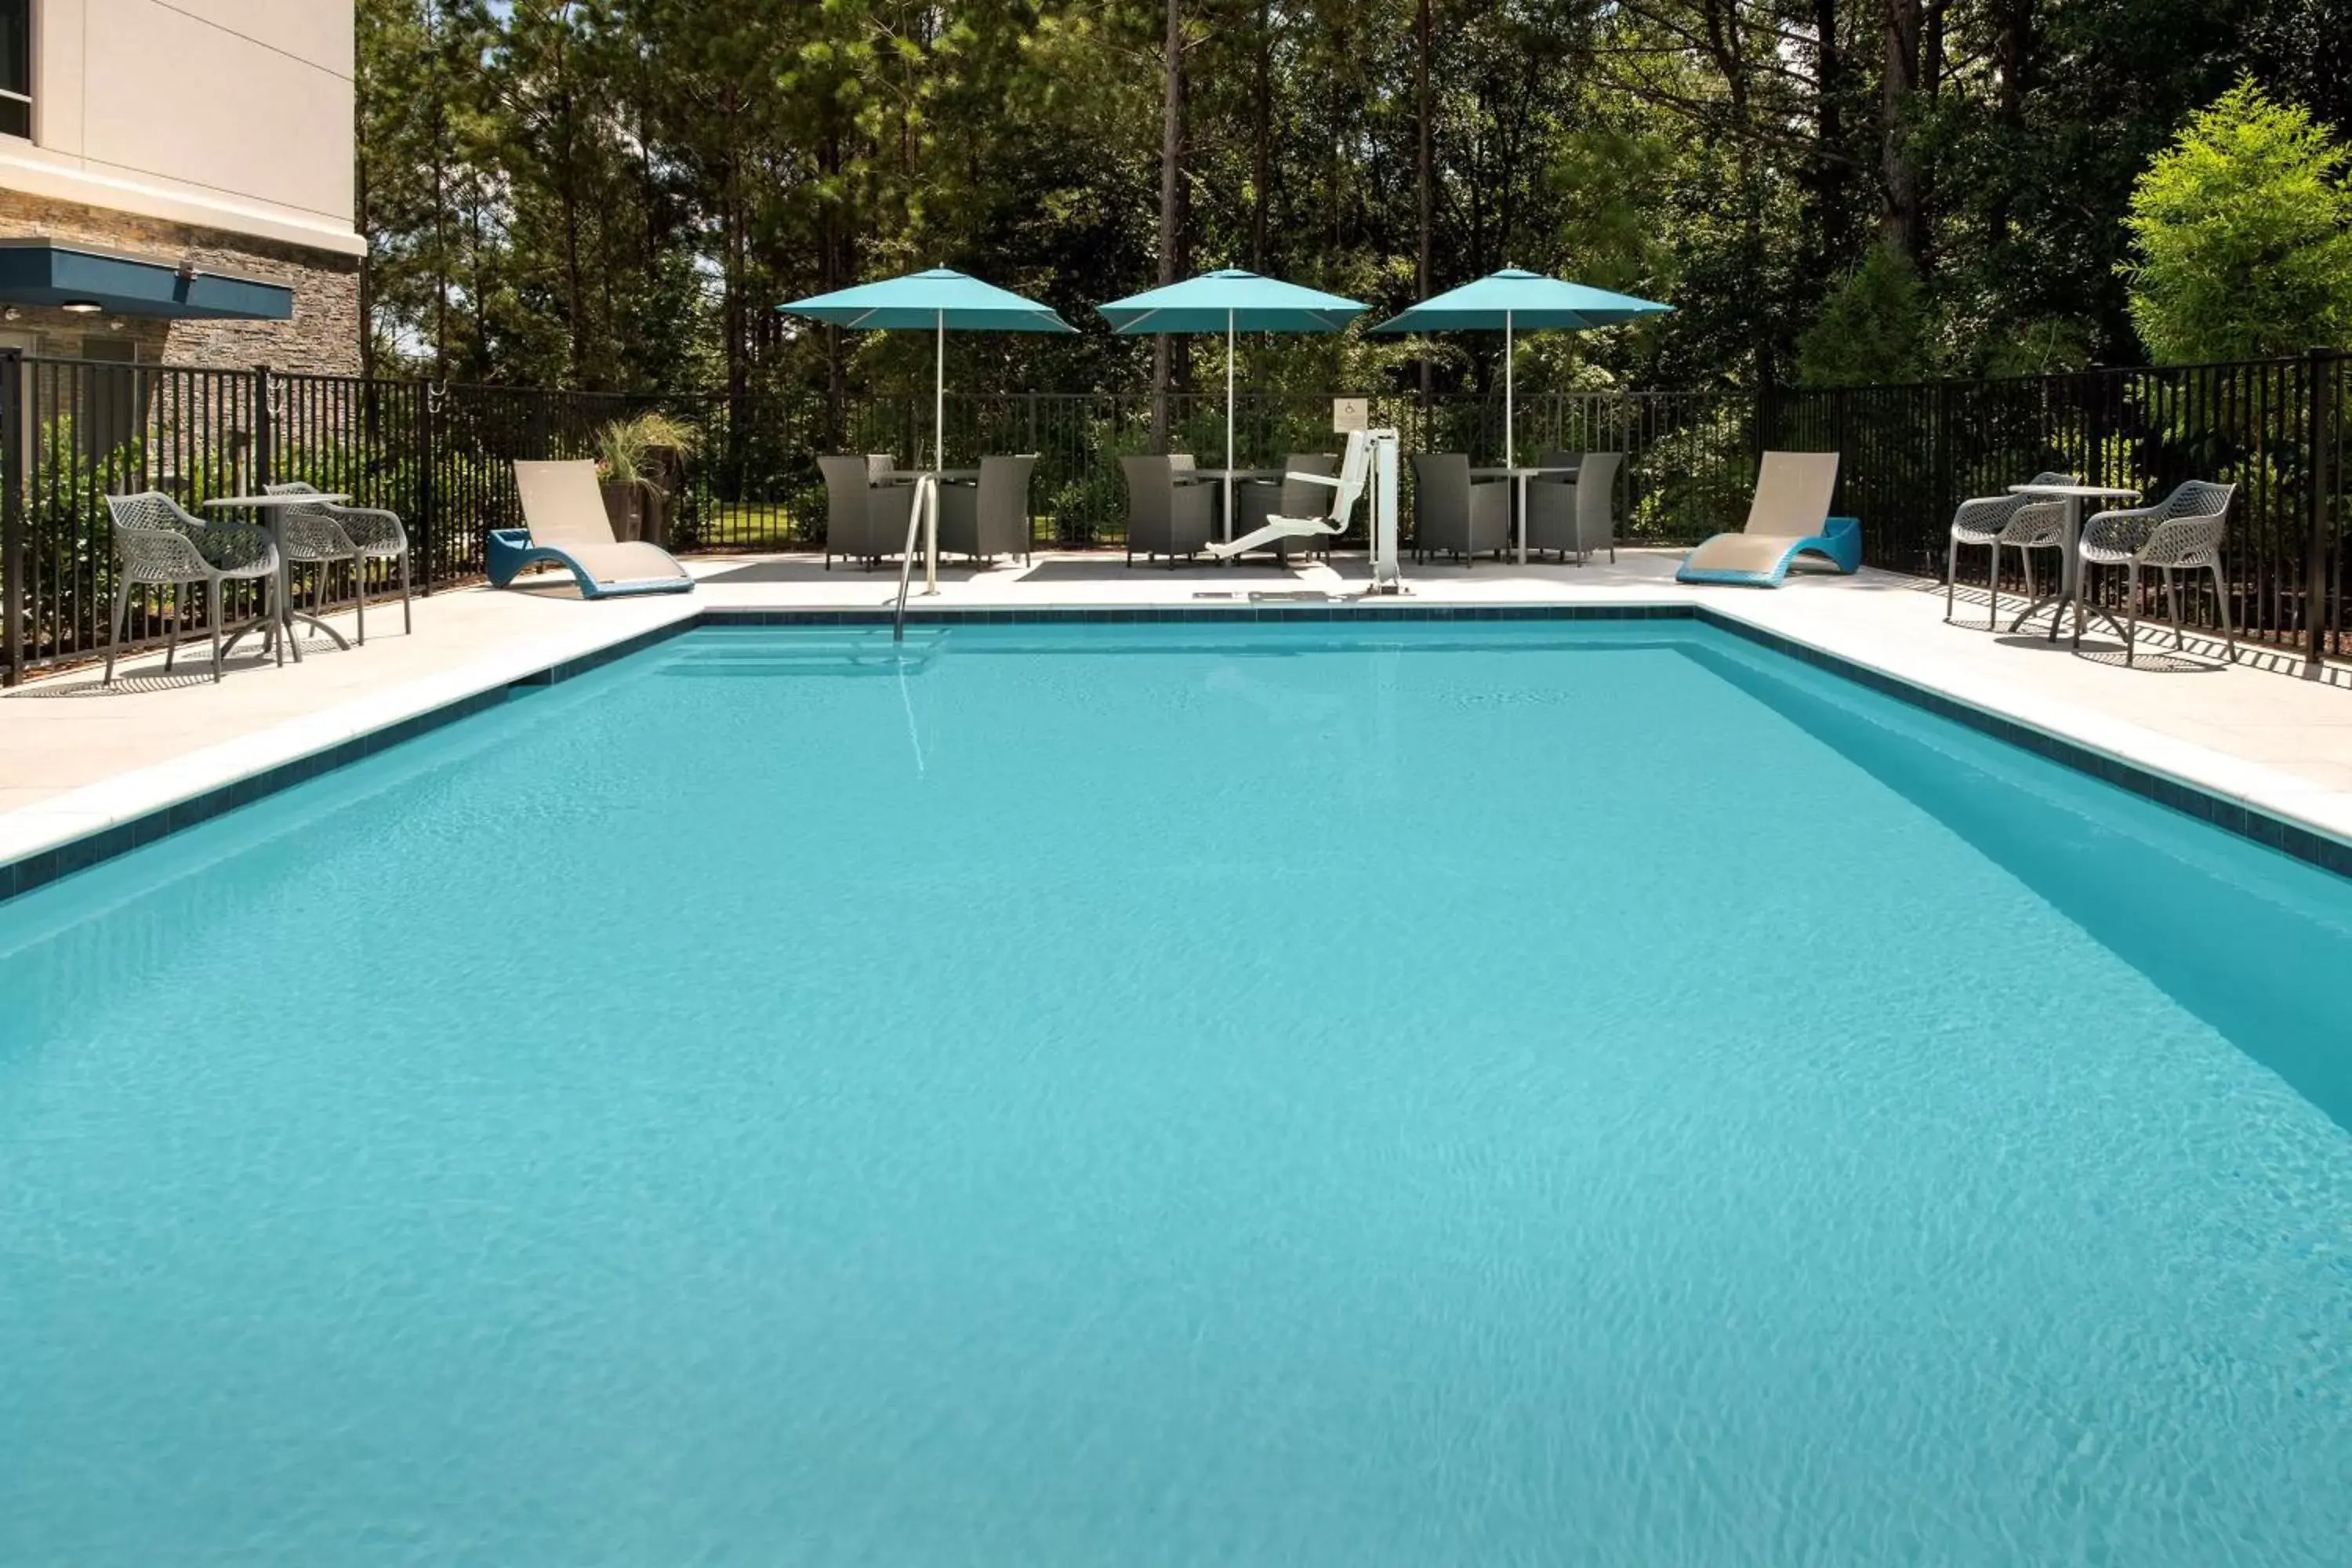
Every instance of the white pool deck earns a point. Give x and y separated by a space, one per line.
77 757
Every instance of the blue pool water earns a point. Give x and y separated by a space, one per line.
1182 1095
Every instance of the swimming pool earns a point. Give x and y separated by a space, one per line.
1180 1094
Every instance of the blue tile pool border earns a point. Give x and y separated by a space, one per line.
46 865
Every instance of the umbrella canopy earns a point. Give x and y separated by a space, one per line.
1514 298
1230 301
937 299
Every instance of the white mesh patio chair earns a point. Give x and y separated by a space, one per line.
157 545
324 534
1985 522
2182 533
2036 525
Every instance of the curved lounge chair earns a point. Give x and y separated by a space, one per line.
565 524
1789 518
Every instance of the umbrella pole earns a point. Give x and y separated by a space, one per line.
938 453
1510 456
1229 428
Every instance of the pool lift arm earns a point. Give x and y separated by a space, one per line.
1368 469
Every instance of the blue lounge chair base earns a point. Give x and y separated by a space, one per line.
508 551
1839 544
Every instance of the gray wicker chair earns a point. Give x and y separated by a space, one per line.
990 518
1575 514
1985 520
1452 514
157 545
2182 533
1166 516
863 521
324 534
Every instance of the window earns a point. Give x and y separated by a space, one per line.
16 68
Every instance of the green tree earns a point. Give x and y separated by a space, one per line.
2243 230
1873 329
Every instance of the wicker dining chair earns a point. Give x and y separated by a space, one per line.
157 545
2182 533
324 534
1985 522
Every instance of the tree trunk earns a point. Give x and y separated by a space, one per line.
1167 371
1424 170
443 156
1902 222
736 315
567 194
477 256
2013 55
1262 137
832 268
1830 233
1728 46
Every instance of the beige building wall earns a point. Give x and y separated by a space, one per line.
215 131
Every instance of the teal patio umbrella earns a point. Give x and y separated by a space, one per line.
1512 298
1230 301
940 299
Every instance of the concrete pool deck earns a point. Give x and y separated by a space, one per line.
77 758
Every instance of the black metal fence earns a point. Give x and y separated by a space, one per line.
757 486
72 432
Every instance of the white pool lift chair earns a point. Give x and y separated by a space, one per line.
1346 488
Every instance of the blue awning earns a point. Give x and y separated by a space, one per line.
52 272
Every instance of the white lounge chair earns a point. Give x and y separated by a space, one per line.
565 524
1789 518
1346 488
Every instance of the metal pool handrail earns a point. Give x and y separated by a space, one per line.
925 486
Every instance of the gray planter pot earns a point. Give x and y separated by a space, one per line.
625 508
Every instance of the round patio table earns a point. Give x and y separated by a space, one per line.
2070 563
268 510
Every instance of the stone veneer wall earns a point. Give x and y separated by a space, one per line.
323 336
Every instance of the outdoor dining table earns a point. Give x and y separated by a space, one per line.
945 476
269 511
1519 477
2070 563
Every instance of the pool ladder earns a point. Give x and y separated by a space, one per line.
927 491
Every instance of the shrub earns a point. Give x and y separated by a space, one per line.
2243 229
1872 331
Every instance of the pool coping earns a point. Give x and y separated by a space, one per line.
105 825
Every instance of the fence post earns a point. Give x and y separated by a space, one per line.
1939 458
426 496
261 431
2322 415
13 598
